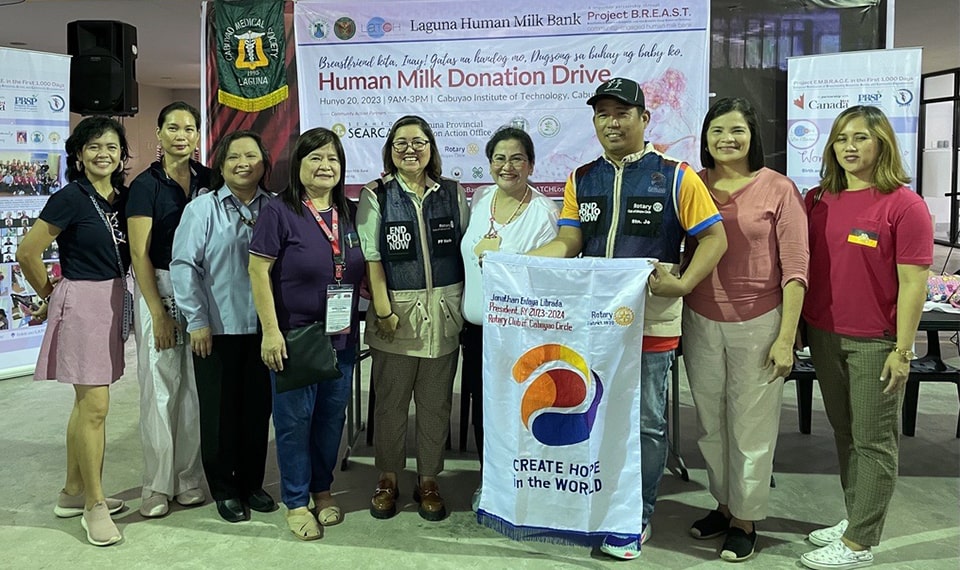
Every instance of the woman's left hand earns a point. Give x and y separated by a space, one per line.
896 370
780 358
201 341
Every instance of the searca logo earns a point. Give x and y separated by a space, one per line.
564 382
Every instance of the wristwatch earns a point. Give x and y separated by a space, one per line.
905 353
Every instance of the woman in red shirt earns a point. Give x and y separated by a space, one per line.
871 244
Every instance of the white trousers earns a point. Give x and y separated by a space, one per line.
738 409
169 410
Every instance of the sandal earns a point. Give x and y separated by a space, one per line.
329 516
303 525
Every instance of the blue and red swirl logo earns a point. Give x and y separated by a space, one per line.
563 383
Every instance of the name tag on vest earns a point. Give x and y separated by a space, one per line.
443 237
644 216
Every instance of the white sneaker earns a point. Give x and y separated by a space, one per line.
155 506
191 497
836 556
829 535
619 547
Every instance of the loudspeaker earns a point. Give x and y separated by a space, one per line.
103 73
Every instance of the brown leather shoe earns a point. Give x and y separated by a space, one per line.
431 503
383 505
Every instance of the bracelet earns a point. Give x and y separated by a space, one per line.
379 318
905 353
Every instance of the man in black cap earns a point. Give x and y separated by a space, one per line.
635 202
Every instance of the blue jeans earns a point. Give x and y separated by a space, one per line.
309 425
654 379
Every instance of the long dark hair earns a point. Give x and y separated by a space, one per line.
745 108
308 142
87 130
220 156
434 167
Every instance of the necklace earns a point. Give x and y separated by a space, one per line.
492 232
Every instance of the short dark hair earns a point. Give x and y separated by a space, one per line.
726 105
508 133
434 168
87 130
178 106
308 142
220 156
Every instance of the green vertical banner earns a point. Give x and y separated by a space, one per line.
250 54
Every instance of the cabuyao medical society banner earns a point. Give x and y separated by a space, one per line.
469 68
561 377
823 86
34 123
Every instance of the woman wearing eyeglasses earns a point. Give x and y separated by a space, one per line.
410 223
212 289
509 215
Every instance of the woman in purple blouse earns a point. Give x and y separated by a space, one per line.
306 266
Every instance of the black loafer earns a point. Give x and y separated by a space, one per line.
261 501
710 526
232 510
738 545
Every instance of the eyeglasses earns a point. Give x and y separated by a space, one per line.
417 144
514 161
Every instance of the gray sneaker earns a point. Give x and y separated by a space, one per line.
829 535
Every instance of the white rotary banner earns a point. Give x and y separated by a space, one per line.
561 384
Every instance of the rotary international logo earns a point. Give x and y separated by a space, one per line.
623 316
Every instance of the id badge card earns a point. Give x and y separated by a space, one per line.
339 303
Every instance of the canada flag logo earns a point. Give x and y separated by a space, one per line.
799 101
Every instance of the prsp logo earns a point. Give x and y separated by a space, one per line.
799 101
564 382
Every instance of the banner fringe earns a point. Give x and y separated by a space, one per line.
538 534
255 104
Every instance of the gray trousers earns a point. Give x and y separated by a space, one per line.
866 425
430 381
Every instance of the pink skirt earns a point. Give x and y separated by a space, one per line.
82 343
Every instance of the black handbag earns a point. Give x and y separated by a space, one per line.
310 358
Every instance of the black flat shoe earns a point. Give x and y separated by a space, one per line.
710 526
261 501
738 545
232 510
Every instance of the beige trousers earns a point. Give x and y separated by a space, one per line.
429 381
738 408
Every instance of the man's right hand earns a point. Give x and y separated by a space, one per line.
201 341
164 331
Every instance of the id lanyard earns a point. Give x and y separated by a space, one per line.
333 235
339 297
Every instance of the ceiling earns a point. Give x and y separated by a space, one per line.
168 32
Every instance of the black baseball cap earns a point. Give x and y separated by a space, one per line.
620 88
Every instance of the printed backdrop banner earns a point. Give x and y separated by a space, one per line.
469 68
34 123
822 86
561 383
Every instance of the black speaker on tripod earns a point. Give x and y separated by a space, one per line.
103 72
